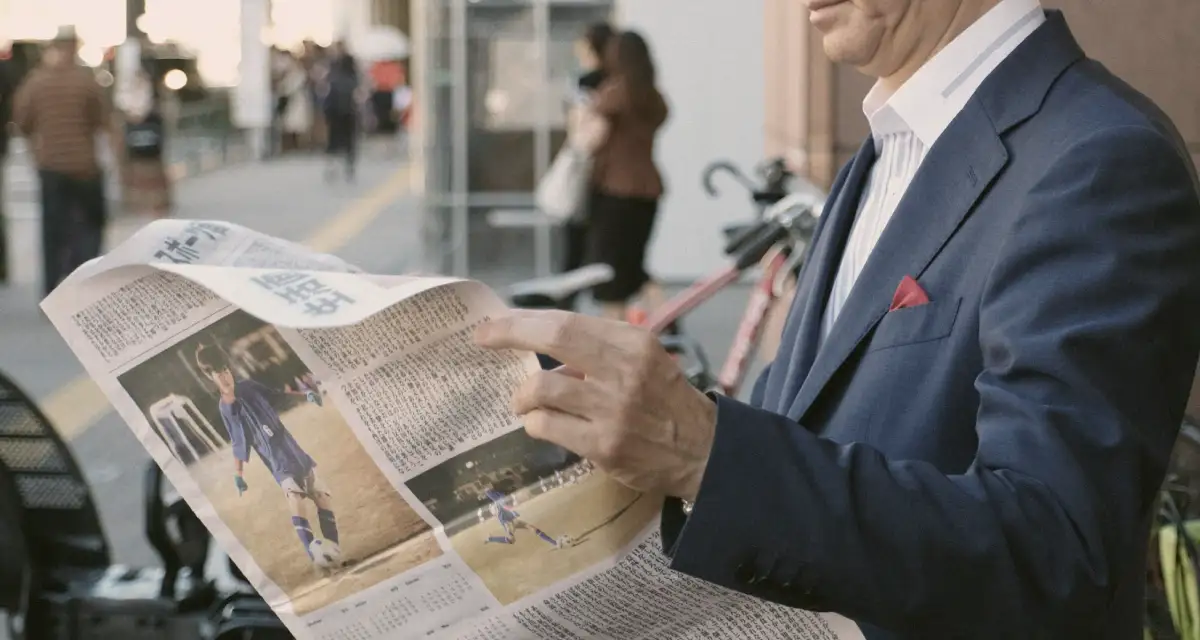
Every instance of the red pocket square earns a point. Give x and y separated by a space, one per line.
908 294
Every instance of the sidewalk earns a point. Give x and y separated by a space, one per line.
187 157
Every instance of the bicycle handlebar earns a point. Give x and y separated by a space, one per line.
736 243
795 212
755 248
730 168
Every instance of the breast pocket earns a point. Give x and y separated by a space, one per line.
912 325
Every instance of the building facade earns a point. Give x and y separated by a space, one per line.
814 108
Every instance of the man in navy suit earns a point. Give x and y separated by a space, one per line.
983 373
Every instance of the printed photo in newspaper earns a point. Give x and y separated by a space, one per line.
524 514
282 469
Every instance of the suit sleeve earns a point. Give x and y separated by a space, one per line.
1089 338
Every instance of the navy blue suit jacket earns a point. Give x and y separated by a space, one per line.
984 465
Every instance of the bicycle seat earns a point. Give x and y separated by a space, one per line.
552 292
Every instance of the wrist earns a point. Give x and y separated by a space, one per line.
699 451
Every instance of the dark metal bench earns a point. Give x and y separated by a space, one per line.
56 575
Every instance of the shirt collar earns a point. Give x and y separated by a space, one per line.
927 103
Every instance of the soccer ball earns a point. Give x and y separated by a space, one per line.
325 554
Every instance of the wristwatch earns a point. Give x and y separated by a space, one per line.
687 507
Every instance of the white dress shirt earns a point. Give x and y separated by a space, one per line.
905 124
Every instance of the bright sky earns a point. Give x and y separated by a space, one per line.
209 28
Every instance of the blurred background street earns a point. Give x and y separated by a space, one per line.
473 96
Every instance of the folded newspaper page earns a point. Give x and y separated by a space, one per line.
356 455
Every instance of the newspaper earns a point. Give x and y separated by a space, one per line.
355 453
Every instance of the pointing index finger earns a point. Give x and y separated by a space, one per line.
578 341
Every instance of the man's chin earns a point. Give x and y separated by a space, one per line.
840 49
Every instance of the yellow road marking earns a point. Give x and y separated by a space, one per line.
79 404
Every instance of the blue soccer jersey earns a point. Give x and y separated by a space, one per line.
253 423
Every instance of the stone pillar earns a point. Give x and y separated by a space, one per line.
252 104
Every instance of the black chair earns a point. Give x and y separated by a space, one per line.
16 567
60 515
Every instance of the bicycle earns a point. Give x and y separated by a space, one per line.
779 242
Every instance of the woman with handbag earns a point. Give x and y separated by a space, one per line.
589 51
619 128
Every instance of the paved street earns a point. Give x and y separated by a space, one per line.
372 223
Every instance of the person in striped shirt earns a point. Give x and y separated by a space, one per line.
60 108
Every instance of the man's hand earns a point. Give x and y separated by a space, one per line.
240 483
622 402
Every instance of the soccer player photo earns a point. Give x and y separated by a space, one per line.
253 424
258 433
524 514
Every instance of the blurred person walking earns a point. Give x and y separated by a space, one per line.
589 52
619 126
60 109
316 64
341 107
386 76
145 184
295 118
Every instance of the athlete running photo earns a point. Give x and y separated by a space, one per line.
511 521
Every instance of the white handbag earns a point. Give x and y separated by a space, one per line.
562 193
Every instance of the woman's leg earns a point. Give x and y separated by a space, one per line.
574 251
641 228
605 245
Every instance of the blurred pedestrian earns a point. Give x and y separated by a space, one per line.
619 126
7 89
60 108
385 76
295 119
316 64
146 186
341 107
589 53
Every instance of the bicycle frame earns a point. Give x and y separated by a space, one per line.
749 333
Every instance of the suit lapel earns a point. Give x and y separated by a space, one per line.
958 169
813 290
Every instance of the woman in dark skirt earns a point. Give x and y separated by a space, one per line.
624 120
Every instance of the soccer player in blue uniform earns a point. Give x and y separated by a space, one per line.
511 521
253 423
